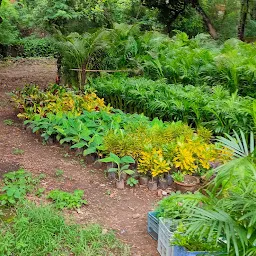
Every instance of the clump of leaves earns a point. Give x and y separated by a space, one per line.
8 122
67 200
16 185
132 182
152 162
178 176
59 173
18 151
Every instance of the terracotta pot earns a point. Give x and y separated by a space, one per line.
152 185
163 184
120 184
190 184
143 180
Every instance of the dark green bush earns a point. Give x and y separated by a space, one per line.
38 47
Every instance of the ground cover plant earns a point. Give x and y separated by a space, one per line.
16 185
42 230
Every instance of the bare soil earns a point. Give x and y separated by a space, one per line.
122 210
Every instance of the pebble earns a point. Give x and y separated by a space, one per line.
164 193
159 192
104 231
135 216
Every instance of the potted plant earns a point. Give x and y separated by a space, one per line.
185 183
163 183
153 162
143 179
122 166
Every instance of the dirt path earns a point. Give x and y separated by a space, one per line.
124 211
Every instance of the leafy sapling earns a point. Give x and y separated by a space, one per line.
122 164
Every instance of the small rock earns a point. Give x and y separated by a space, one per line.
104 231
79 211
102 185
159 192
164 193
135 216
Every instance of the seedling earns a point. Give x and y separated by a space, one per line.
132 182
66 155
18 151
178 176
108 192
40 192
59 173
8 122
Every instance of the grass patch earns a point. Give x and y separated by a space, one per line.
41 231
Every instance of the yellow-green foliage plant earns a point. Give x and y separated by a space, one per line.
194 155
152 163
55 99
133 140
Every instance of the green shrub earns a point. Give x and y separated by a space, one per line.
38 47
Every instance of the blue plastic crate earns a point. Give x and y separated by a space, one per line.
181 251
164 237
153 224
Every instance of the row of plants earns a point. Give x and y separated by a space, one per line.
179 59
157 148
28 228
214 108
219 219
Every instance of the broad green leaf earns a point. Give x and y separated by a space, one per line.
127 160
130 172
112 170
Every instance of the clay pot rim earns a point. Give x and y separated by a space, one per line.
188 185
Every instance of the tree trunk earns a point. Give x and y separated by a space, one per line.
243 17
206 19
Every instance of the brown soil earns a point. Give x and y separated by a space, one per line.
122 210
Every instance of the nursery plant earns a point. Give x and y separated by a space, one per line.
123 166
